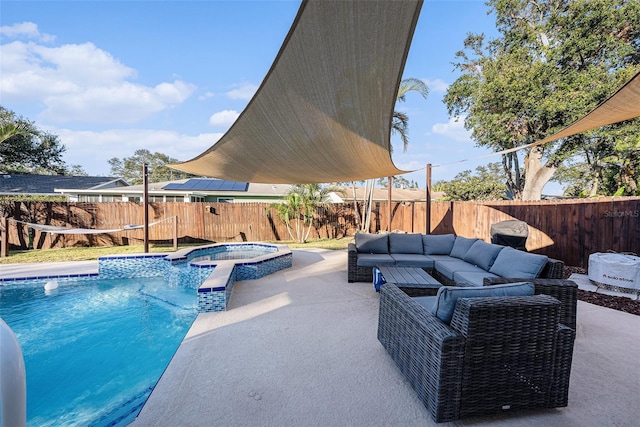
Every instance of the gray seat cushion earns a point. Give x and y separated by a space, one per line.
449 267
371 260
413 260
441 257
372 243
471 278
447 296
405 243
461 246
514 263
438 244
482 254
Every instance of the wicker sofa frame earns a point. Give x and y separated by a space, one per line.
565 291
498 354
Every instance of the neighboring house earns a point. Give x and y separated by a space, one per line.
382 195
184 190
110 189
45 185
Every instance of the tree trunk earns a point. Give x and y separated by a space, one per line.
511 168
355 205
536 175
594 186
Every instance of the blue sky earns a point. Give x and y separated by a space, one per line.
110 77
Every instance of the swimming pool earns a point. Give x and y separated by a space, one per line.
94 349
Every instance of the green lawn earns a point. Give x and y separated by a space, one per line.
84 254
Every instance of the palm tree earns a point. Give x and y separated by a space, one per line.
9 130
299 206
400 120
400 123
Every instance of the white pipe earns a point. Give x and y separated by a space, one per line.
13 383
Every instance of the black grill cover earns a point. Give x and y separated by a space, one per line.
512 233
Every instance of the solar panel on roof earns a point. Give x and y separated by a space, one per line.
208 185
215 185
192 184
241 186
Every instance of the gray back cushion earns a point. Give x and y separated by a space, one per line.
447 296
438 244
514 263
482 254
372 243
405 243
461 246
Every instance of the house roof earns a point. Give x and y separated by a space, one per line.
45 184
197 186
382 195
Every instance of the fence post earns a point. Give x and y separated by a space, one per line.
4 238
428 201
389 184
175 233
145 201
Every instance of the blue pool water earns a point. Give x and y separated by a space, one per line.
94 349
227 252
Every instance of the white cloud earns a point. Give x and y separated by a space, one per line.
223 118
453 129
123 103
206 95
436 85
25 29
80 82
243 91
82 146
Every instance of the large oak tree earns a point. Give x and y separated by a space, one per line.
554 61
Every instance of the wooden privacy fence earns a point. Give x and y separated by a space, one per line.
569 230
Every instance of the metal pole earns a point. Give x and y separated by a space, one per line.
145 202
4 239
390 182
428 200
175 233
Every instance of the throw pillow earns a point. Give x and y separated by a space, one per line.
447 296
372 243
514 263
482 254
438 244
405 243
461 246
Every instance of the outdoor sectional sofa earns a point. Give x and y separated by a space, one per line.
452 260
497 337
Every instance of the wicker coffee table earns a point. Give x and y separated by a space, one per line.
413 281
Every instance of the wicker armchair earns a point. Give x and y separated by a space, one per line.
498 354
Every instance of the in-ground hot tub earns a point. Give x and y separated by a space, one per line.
211 269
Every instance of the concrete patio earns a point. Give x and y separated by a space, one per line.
299 348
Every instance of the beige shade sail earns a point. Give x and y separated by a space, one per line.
323 112
622 105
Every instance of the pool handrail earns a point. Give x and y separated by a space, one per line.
13 383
